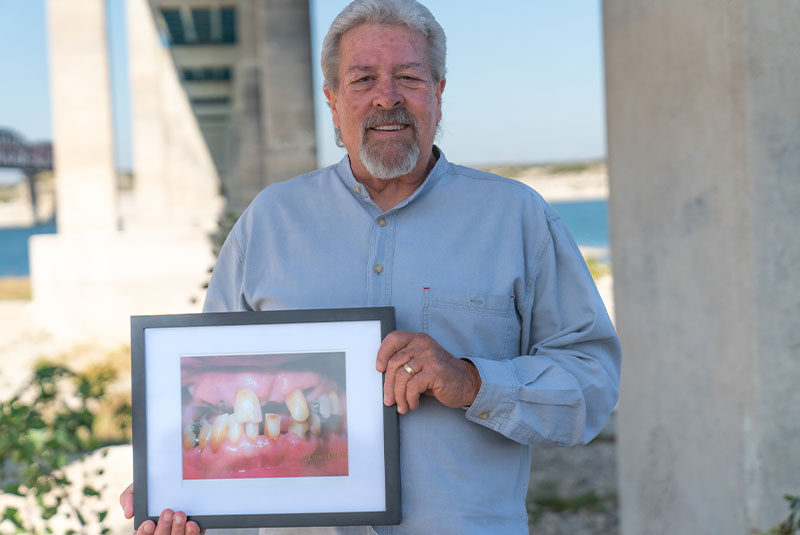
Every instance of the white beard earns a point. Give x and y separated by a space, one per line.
386 167
386 160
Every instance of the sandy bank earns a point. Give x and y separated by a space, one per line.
560 183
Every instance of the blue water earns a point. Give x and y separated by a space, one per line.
14 248
586 220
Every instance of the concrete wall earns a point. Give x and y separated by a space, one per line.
703 135
86 287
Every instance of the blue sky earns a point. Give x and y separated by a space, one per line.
524 82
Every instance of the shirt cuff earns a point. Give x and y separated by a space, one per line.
497 395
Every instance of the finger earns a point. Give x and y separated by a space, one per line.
164 524
147 528
178 523
415 387
126 501
193 529
394 342
401 379
394 369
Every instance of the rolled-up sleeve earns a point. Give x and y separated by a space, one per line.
566 385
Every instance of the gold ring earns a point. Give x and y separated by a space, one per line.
409 369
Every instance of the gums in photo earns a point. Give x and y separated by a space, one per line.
262 416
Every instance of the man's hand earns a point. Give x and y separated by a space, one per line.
454 382
169 522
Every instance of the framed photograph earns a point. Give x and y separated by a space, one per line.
264 419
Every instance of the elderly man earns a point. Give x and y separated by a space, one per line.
503 342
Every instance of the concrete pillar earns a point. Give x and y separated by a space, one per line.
82 139
287 111
243 179
145 59
703 135
272 123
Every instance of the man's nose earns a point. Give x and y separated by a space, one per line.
387 95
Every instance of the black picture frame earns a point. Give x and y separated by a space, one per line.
178 364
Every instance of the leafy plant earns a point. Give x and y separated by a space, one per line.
48 425
790 526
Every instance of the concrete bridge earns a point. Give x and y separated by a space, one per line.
703 114
246 68
220 102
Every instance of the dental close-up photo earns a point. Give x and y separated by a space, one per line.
260 416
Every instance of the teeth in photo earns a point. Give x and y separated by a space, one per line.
246 407
314 423
298 406
219 431
298 428
251 430
324 404
336 408
204 436
234 429
272 427
188 436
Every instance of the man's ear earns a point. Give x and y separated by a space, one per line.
439 91
332 100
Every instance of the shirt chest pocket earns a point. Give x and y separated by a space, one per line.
471 324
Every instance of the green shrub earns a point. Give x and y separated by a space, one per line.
47 425
790 526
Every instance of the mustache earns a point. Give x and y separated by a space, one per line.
397 116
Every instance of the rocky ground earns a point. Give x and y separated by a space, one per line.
573 491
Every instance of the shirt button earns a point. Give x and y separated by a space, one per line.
484 415
358 188
382 221
378 268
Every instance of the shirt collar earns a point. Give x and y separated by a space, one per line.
345 174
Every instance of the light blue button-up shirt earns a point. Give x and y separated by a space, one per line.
485 267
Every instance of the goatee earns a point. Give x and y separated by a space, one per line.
389 159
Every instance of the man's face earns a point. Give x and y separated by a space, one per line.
387 105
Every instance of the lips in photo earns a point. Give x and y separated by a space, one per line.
257 416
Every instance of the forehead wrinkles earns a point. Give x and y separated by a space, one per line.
361 69
368 46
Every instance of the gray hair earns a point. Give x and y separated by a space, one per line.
408 13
